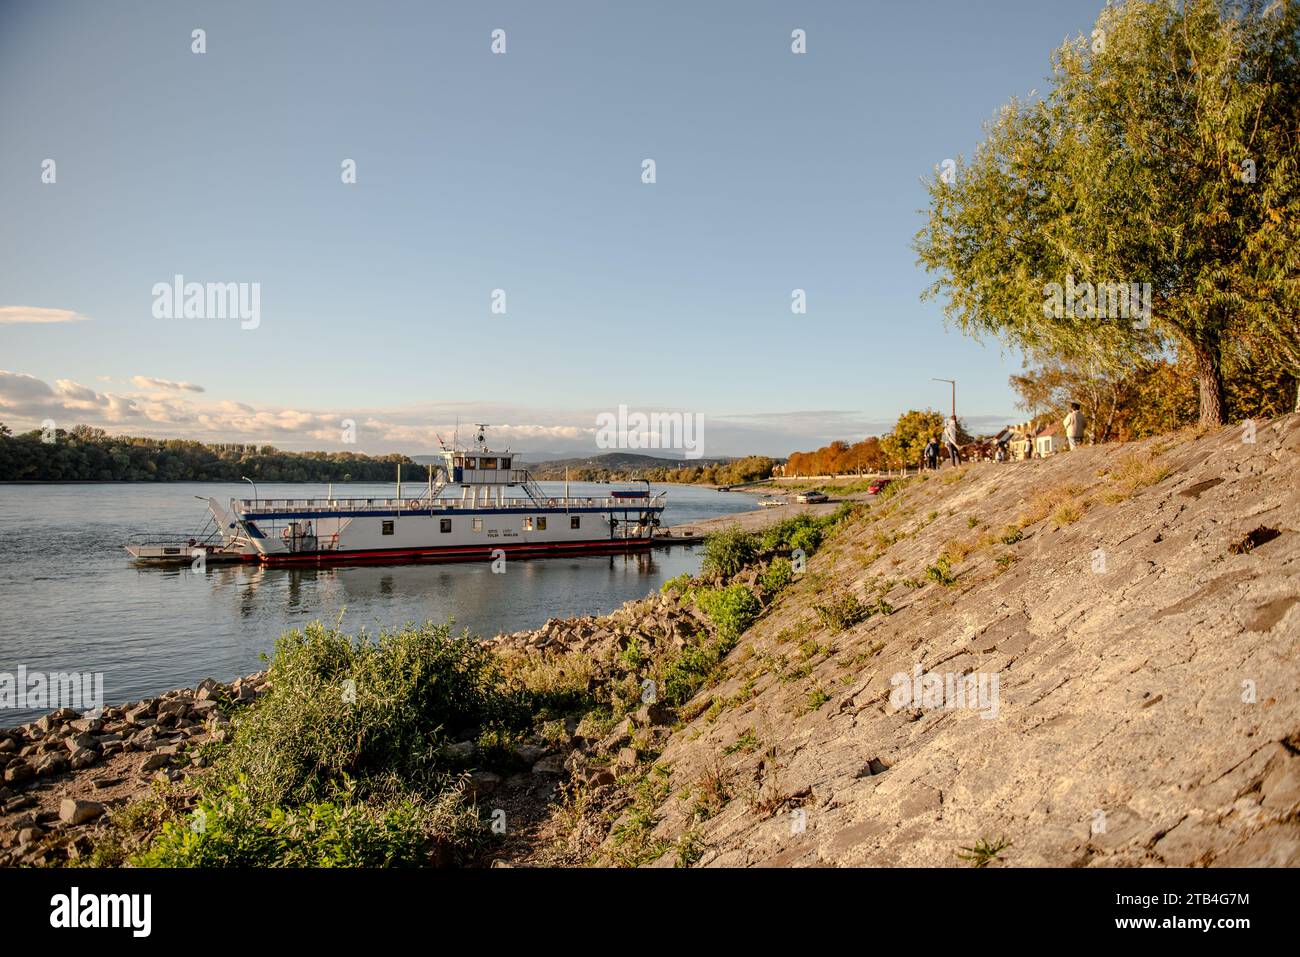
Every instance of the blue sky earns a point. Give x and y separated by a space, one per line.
477 172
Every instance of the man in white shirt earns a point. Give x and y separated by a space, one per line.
1075 425
950 440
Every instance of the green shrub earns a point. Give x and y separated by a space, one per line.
726 553
676 586
777 576
345 709
842 611
731 610
233 831
941 572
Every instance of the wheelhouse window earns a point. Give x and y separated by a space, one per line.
505 463
387 528
478 524
541 523
471 462
575 521
485 463
444 525
528 523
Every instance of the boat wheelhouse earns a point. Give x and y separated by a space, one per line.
478 505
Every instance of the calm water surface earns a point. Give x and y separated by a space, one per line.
71 601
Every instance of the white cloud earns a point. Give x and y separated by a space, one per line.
35 315
149 382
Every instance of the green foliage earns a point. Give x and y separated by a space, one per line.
984 852
233 831
351 709
731 610
903 446
941 571
726 553
842 611
676 586
776 576
1195 193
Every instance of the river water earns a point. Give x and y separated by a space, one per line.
70 600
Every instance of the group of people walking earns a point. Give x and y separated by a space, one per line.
1074 426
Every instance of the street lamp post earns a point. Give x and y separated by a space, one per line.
953 383
252 483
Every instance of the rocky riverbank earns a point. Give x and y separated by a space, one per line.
65 771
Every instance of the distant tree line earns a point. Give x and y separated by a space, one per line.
749 469
91 455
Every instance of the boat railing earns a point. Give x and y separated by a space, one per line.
264 506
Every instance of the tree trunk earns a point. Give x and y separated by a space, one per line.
1210 375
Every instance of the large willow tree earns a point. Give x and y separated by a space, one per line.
1164 153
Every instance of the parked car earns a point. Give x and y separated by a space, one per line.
810 498
876 487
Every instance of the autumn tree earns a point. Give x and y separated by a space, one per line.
903 446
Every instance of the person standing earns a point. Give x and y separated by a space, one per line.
950 440
1075 425
931 453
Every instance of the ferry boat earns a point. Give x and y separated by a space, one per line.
478 505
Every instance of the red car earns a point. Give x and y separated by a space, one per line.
875 487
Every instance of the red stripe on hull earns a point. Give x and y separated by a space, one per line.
459 553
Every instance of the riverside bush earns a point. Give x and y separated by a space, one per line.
338 765
726 553
230 830
731 610
777 576
344 708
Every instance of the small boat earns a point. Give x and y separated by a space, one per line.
771 502
169 553
218 543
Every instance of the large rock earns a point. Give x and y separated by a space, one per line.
18 772
155 761
530 753
483 783
75 812
81 741
551 764
51 765
652 714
